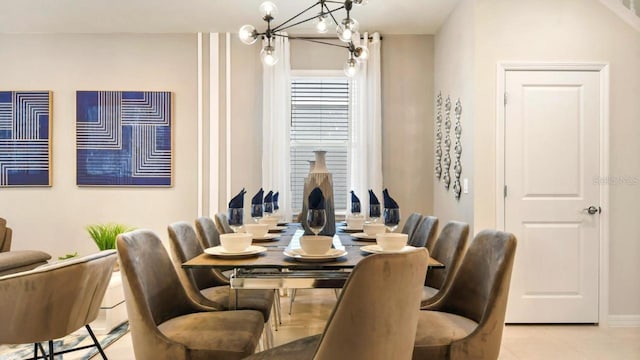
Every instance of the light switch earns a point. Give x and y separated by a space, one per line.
465 185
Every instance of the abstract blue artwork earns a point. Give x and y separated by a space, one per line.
25 146
123 138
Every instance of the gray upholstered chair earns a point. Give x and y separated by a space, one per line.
54 300
449 250
205 286
18 260
208 233
209 237
222 224
467 321
425 233
375 316
411 224
165 322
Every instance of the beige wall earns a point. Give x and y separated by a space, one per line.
570 31
53 219
407 118
453 76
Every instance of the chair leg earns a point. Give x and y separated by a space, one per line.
95 341
292 298
35 351
44 353
51 353
337 293
277 309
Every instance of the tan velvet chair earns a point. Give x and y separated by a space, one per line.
205 286
18 260
375 317
425 233
208 234
467 321
53 301
222 224
165 322
411 224
449 250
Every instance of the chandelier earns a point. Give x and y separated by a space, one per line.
324 16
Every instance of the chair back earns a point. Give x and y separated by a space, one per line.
411 224
184 247
5 236
425 233
448 250
222 224
153 291
376 315
207 232
480 289
54 300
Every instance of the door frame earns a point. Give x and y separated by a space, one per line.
603 70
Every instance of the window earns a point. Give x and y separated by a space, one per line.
320 121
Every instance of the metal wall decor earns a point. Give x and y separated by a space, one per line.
25 138
123 138
457 166
446 161
438 145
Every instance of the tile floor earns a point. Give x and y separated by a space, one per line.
531 342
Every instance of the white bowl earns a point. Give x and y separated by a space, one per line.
235 242
258 230
391 241
355 222
268 220
373 229
316 245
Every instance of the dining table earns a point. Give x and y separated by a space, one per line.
273 267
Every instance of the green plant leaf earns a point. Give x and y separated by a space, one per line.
104 235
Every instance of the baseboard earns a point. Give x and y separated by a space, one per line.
623 321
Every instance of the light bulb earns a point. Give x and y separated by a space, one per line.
248 34
347 28
361 53
268 9
268 55
322 25
351 67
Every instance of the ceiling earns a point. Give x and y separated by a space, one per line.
189 16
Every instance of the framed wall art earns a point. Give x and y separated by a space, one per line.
123 138
25 138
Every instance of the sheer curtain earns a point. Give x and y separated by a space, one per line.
275 125
366 137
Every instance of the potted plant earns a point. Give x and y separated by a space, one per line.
104 235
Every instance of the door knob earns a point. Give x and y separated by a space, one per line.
593 209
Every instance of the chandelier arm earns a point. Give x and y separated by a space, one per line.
313 40
280 28
331 13
277 28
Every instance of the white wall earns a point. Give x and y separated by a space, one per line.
453 76
53 219
558 31
571 31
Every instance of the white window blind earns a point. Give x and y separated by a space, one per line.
320 121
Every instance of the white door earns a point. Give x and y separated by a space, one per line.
552 167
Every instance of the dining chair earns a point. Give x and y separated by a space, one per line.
165 322
208 287
449 250
467 321
222 224
208 233
54 300
425 233
411 224
375 316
